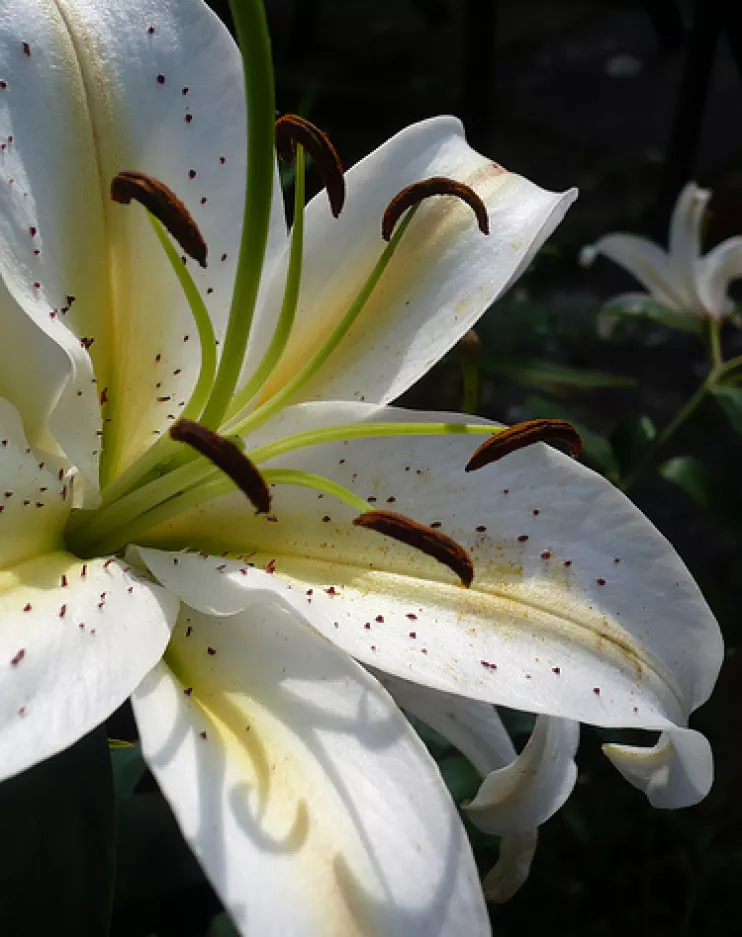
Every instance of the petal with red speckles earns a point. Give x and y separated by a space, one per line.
444 276
579 608
285 762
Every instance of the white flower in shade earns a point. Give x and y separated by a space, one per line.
678 280
130 563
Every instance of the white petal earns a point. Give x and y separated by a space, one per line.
519 792
579 607
524 794
512 868
445 275
715 272
52 246
106 88
292 773
677 772
34 494
73 652
474 728
644 260
685 242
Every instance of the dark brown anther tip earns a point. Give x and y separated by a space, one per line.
292 129
521 435
426 539
226 456
165 205
437 185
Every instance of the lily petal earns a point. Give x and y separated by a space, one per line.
579 607
716 271
524 794
52 248
644 260
676 772
477 730
285 761
474 728
444 276
85 633
107 88
512 868
685 242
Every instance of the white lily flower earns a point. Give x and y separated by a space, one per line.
285 762
680 279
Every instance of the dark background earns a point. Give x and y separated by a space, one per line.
625 100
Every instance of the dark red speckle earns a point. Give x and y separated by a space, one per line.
160 79
27 49
18 657
600 582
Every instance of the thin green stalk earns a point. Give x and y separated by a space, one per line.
252 35
347 431
290 298
714 344
650 452
281 398
470 389
316 483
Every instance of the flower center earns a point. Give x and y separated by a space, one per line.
172 478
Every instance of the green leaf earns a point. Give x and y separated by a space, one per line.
462 779
546 375
630 438
596 449
730 401
57 864
647 308
707 488
128 770
221 926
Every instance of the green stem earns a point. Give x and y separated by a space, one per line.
650 452
281 398
290 299
252 34
714 344
470 382
347 431
316 483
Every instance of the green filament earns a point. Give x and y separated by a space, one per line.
279 400
347 431
290 298
252 34
316 483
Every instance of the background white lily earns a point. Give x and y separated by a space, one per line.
286 764
679 279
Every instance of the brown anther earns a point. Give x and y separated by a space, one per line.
437 185
521 435
429 541
226 456
292 129
165 205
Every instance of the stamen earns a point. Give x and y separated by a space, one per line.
521 435
426 539
292 129
228 457
437 185
164 204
